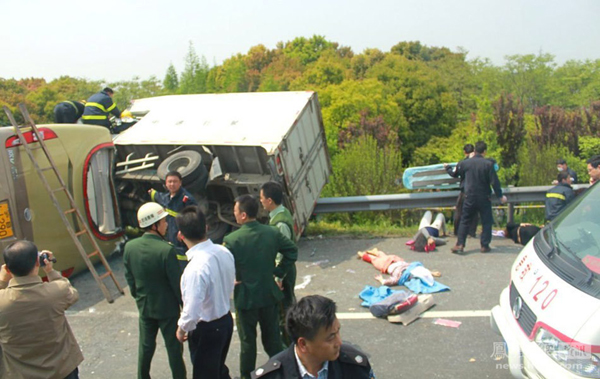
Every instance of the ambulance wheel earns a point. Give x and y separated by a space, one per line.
188 163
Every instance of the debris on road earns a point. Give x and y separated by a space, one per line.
305 281
448 323
318 263
424 303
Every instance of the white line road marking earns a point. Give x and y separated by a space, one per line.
340 315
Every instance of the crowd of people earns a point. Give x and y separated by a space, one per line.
255 265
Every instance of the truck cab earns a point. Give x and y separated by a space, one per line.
549 315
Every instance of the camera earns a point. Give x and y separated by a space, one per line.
43 256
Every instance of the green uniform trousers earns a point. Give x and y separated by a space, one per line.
289 298
246 320
148 330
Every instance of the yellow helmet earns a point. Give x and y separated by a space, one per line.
126 114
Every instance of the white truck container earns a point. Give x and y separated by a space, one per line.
225 145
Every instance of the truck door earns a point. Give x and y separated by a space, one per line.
305 161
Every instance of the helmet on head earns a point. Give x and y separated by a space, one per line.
126 114
150 213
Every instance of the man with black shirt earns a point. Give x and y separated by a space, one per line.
68 111
317 350
469 151
479 176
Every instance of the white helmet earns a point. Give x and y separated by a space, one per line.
150 213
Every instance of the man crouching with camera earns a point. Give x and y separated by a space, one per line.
35 336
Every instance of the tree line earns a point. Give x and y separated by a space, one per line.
386 110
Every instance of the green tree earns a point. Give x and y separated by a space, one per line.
529 78
128 90
342 105
509 121
306 50
422 98
193 79
171 81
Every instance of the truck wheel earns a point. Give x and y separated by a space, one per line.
188 163
217 230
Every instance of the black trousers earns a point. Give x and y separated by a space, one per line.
74 374
64 114
457 214
472 206
209 344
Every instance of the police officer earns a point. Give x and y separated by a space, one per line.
469 151
68 112
317 351
479 175
559 196
153 276
174 201
256 295
271 198
98 107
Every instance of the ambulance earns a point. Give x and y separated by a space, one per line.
549 315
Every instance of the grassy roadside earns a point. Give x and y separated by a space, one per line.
368 230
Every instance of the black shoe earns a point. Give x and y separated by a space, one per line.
486 249
457 249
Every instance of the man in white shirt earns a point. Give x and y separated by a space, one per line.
206 287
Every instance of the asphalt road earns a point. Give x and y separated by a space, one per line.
108 333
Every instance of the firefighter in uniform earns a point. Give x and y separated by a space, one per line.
256 295
153 277
98 107
271 197
68 112
174 201
558 196
317 351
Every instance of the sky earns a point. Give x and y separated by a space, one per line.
112 40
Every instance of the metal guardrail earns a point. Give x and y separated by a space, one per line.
514 195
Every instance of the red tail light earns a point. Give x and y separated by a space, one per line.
46 134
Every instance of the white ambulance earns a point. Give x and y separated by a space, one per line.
549 315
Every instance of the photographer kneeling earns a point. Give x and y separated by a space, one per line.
35 336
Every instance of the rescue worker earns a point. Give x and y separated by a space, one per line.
479 176
153 277
68 111
174 201
318 350
98 107
559 196
256 296
271 198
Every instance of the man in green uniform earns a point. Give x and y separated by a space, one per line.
256 295
271 198
153 275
